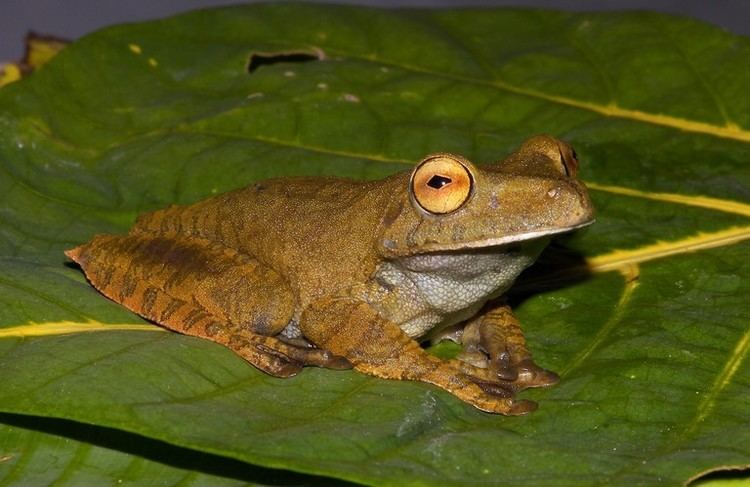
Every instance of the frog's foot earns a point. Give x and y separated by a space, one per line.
495 343
263 354
522 372
513 376
503 389
309 354
489 383
278 358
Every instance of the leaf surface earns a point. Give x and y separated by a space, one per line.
645 314
41 451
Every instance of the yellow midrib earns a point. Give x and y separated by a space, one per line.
33 329
728 131
717 204
616 259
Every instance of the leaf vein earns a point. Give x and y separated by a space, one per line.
708 402
721 108
631 273
618 259
300 146
728 131
710 203
33 329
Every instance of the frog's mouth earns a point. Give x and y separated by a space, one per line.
501 241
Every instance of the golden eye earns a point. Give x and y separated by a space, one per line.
441 184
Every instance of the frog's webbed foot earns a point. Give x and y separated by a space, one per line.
378 347
203 289
494 342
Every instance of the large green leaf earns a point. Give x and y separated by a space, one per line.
651 332
42 451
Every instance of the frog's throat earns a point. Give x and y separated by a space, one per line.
497 241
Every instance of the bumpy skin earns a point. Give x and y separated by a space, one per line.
339 273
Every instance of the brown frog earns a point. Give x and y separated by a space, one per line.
340 273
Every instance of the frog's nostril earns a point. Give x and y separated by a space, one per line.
494 201
570 160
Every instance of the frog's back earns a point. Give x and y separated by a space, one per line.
314 231
260 206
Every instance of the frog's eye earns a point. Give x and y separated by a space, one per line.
441 184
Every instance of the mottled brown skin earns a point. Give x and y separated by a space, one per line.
339 273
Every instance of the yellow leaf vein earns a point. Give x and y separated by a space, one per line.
727 206
708 402
630 273
33 329
703 240
729 130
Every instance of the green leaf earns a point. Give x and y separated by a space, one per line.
42 451
652 341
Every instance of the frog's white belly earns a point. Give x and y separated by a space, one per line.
431 291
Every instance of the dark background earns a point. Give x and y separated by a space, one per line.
74 18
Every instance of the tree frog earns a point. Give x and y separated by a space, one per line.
339 273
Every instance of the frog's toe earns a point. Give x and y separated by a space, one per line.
498 367
521 407
260 352
531 375
280 368
505 372
475 358
495 388
334 362
502 396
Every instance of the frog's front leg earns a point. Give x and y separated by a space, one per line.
497 334
375 346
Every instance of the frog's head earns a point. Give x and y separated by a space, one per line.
453 205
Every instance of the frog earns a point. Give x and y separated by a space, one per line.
341 273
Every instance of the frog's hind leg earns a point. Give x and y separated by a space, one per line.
378 347
202 289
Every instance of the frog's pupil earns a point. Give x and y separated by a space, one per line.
437 181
